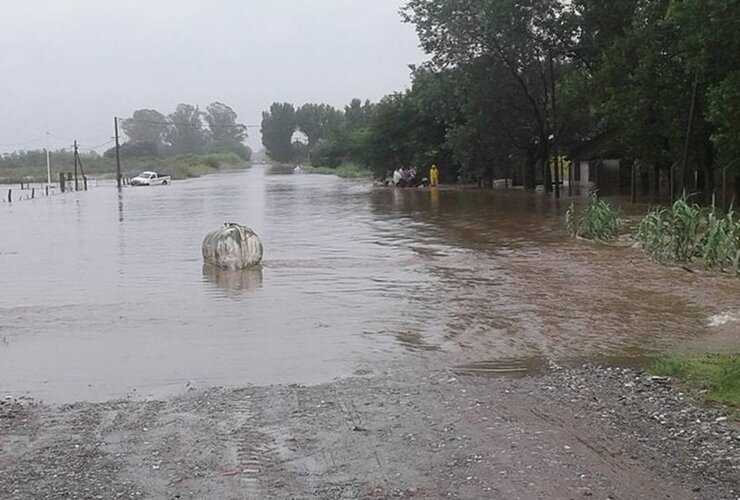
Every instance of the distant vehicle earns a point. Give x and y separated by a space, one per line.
150 179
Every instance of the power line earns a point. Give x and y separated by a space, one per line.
110 141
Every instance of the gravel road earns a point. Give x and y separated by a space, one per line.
587 432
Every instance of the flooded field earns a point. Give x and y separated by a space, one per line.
104 293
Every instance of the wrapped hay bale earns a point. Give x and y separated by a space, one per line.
233 246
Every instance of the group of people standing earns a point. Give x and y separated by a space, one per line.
407 177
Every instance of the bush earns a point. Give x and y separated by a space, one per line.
598 221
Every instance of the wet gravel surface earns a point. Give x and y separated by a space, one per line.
589 432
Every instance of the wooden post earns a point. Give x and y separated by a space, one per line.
84 182
61 181
118 154
10 195
76 183
47 190
33 193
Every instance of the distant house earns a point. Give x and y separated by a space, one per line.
599 164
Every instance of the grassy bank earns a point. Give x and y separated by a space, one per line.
179 167
713 377
346 170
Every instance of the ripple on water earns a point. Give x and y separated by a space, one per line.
106 294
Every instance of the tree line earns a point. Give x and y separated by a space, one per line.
512 83
187 130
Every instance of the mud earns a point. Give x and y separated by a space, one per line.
429 434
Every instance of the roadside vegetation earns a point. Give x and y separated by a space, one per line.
713 377
179 167
185 143
509 85
597 221
345 170
686 232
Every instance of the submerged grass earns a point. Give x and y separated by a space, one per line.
597 221
716 377
346 170
685 232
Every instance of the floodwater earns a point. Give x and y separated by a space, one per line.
104 294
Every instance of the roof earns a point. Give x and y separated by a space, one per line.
600 147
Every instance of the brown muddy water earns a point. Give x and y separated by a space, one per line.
104 294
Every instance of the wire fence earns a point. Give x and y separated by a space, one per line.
11 193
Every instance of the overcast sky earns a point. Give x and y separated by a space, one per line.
69 66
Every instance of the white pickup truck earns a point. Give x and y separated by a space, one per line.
150 179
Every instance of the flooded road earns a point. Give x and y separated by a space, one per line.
104 294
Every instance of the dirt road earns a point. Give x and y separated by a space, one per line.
583 433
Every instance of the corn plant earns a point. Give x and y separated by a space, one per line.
684 232
597 221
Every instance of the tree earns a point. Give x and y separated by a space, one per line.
278 126
224 131
317 121
520 35
185 133
146 126
357 114
347 136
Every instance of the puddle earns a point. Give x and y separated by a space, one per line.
508 367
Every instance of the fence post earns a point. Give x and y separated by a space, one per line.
84 181
10 195
61 181
33 193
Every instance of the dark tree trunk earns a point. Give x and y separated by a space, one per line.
530 171
708 163
544 158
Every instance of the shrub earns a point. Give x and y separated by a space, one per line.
597 221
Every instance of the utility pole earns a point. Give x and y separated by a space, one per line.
82 170
77 186
118 153
48 169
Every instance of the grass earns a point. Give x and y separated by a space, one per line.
716 377
179 167
597 221
685 232
346 170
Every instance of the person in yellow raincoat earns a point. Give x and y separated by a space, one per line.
434 176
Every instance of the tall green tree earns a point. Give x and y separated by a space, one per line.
278 126
318 121
521 35
147 126
357 114
223 129
186 133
